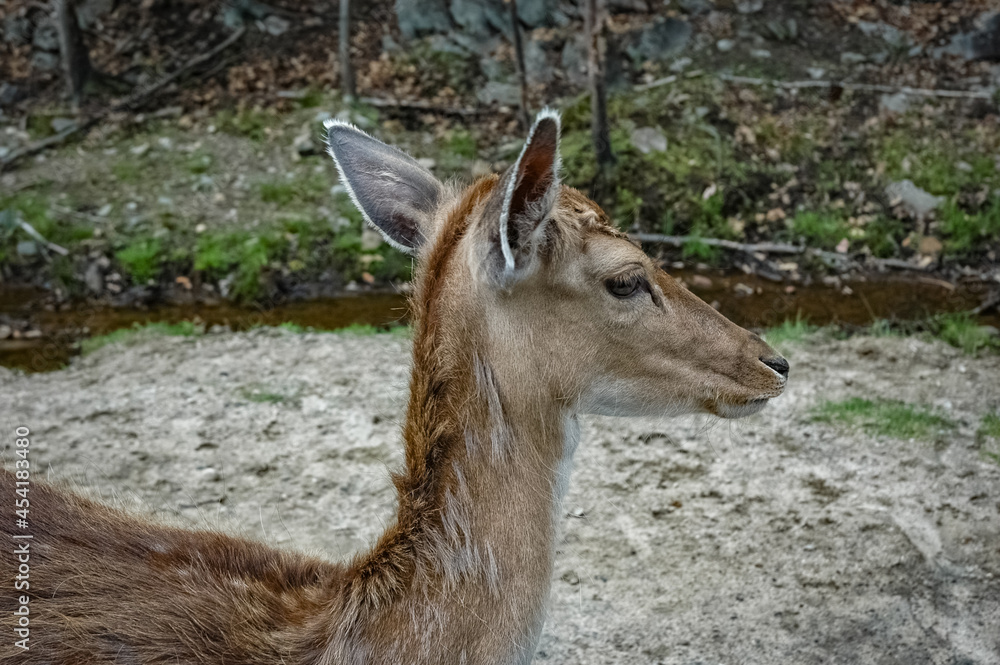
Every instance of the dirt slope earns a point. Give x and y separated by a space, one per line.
770 540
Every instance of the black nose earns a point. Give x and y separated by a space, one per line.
778 364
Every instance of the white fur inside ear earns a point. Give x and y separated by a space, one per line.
328 125
508 254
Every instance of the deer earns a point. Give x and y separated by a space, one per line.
530 309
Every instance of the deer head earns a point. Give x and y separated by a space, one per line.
566 306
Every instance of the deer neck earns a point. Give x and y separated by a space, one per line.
469 558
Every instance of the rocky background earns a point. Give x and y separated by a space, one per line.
866 131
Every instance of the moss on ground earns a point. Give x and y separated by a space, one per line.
884 417
139 332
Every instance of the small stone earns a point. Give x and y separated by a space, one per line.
696 7
370 240
701 282
46 37
963 166
8 93
915 200
140 149
749 6
898 103
577 513
680 64
27 248
276 26
742 289
93 278
851 58
809 548
843 246
204 183
105 210
303 145
495 92
44 62
649 139
34 333
5 331
725 45
60 125
209 474
760 53
816 73
930 245
165 143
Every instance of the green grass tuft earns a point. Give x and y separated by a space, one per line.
263 396
790 332
820 229
988 436
138 332
884 417
141 259
962 331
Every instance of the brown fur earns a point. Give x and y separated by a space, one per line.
462 574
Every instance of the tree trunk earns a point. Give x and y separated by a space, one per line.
601 135
522 75
75 58
601 188
347 88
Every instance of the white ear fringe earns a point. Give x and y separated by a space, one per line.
508 254
330 124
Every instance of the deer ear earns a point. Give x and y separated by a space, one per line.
394 193
527 194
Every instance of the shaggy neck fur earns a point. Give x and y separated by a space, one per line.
463 574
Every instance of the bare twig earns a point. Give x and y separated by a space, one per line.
862 87
666 80
30 230
774 248
132 101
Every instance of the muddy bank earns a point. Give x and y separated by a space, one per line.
43 335
773 539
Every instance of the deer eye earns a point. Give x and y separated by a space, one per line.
624 287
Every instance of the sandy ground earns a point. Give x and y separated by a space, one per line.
686 541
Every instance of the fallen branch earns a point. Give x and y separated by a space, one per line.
132 101
773 248
30 230
861 87
666 80
680 241
380 102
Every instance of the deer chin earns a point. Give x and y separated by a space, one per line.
742 410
